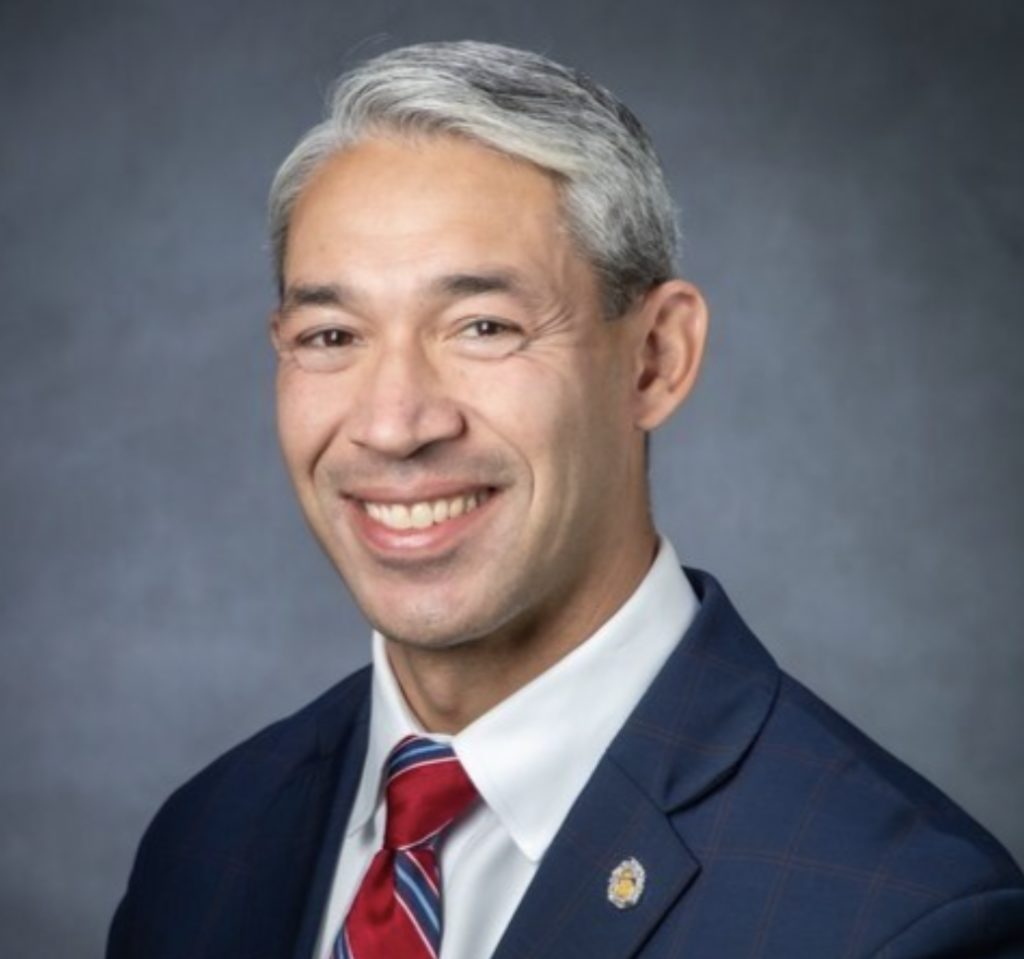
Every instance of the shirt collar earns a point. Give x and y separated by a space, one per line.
390 721
527 758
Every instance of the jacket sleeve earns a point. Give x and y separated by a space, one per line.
984 925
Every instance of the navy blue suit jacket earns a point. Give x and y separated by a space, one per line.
768 827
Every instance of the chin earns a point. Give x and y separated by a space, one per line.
433 626
421 634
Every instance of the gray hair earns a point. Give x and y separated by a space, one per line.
616 205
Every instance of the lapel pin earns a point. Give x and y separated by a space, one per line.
626 884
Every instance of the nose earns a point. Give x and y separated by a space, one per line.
402 405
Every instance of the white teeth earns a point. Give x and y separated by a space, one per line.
422 515
397 516
425 514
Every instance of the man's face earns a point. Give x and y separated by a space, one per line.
454 410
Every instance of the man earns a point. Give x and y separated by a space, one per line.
565 745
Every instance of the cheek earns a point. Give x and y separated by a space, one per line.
542 416
532 408
305 419
594 448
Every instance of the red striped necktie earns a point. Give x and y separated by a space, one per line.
396 913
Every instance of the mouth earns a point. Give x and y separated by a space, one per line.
424 514
423 525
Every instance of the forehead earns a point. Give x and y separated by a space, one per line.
434 203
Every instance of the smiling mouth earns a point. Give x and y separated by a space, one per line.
425 513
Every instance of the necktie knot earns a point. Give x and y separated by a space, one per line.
427 789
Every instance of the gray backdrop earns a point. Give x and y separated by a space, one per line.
850 178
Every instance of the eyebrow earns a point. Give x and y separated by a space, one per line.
458 285
314 294
451 286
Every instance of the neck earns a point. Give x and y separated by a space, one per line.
448 688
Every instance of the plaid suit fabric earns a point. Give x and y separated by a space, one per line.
768 827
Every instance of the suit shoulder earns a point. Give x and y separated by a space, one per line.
863 802
831 840
237 784
242 833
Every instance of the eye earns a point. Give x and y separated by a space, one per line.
319 349
487 337
487 326
332 337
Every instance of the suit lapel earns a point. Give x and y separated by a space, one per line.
342 745
687 735
566 909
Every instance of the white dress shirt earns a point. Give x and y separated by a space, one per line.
529 758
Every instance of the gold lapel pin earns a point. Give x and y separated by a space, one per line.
626 884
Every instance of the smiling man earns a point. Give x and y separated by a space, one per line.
566 745
464 427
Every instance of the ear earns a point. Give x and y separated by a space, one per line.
673 321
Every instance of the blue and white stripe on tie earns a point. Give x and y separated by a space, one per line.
418 894
417 752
